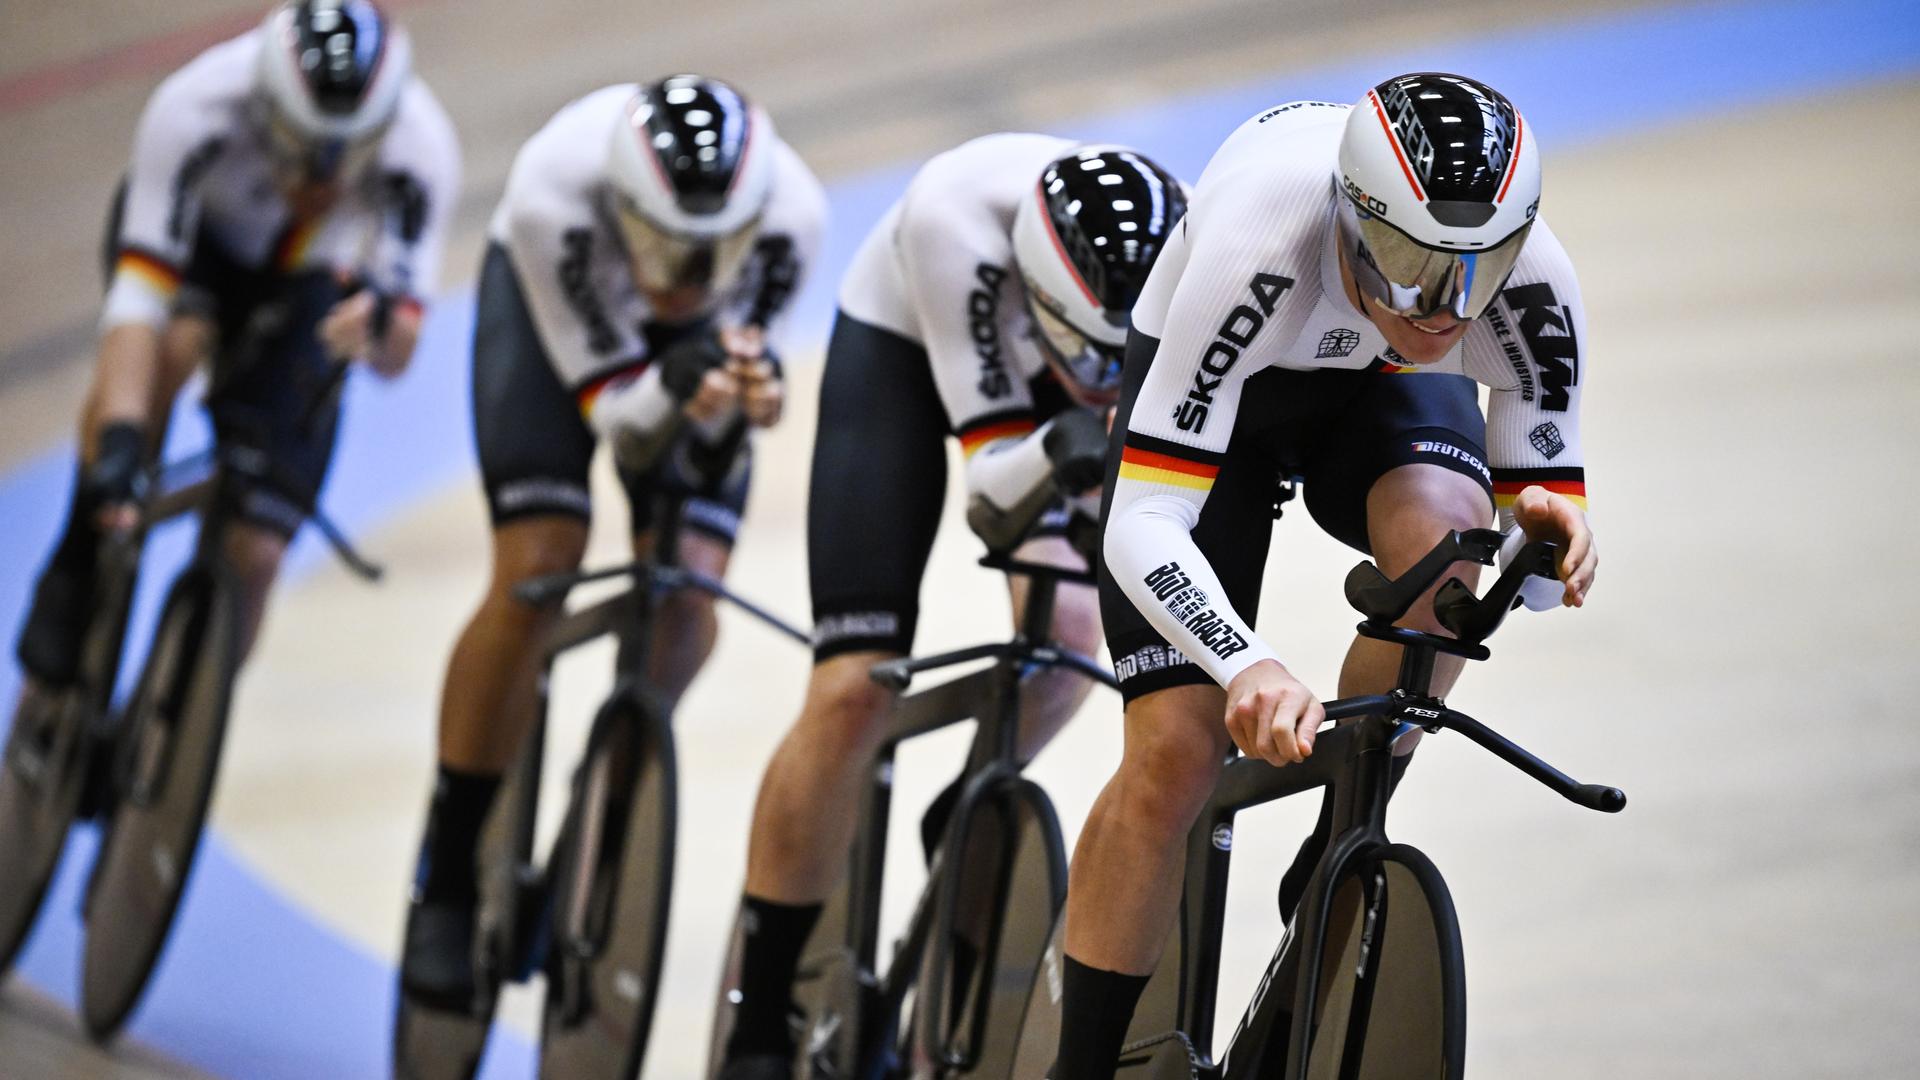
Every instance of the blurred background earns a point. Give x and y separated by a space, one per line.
1734 181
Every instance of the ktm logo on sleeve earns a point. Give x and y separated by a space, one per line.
1236 332
1547 327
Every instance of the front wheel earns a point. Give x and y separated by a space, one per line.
611 882
1390 988
996 909
165 761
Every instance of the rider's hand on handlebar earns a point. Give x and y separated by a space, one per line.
763 394
352 331
1547 516
1272 715
112 481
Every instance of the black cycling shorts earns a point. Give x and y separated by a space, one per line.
535 448
1335 432
269 368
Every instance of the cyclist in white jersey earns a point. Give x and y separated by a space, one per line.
990 304
297 177
647 249
1343 280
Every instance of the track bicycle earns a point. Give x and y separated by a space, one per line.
948 1003
1368 982
145 770
593 916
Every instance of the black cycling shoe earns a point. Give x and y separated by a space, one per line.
758 1067
56 625
436 963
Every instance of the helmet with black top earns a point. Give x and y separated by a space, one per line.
1439 184
328 85
689 172
1084 238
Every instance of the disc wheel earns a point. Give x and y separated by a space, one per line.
1391 994
612 881
995 913
166 757
43 774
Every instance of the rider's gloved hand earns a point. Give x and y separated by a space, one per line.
1271 715
694 371
112 483
757 374
1076 445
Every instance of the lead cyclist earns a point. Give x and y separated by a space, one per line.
1342 280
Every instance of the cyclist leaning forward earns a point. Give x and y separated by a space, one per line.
990 303
1272 341
649 241
289 189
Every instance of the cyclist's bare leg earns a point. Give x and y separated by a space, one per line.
685 623
255 554
803 820
1408 511
1050 698
487 703
1125 884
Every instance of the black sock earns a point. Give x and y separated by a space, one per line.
775 934
1293 883
1096 1008
461 801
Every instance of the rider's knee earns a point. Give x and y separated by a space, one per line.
536 547
1076 620
686 609
845 708
255 556
1167 772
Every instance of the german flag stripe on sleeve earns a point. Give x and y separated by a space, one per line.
590 393
1157 461
1009 424
148 268
1509 483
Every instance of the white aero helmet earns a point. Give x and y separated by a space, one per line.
328 84
1084 238
1440 183
689 171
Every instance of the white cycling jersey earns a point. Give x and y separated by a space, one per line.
556 225
1251 280
201 166
938 270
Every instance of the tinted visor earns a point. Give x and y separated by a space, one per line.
1093 366
1416 281
299 158
664 261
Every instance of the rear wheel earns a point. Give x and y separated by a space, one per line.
823 985
612 882
43 774
165 762
1391 999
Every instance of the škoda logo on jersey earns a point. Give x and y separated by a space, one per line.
1236 332
983 323
1192 608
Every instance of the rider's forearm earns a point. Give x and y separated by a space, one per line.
123 382
1009 484
1151 555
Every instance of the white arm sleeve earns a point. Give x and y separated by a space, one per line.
1150 552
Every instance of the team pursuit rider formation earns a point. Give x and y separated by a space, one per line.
1138 368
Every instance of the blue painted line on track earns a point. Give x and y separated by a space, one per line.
254 987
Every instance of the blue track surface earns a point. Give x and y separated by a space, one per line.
254 987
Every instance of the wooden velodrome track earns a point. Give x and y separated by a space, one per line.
1744 669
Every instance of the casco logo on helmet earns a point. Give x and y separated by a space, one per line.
1364 200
